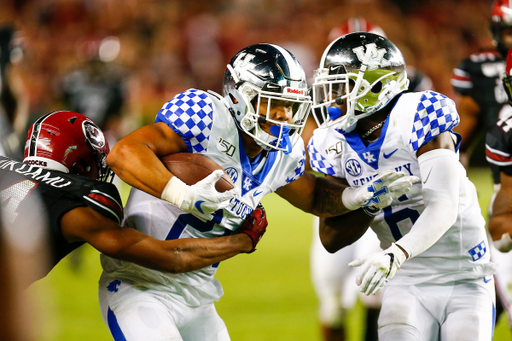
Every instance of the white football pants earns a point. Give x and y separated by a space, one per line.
140 315
459 311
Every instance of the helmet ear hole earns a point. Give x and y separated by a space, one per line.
81 167
377 88
233 98
75 169
85 165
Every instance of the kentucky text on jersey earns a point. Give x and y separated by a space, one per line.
238 208
367 179
35 173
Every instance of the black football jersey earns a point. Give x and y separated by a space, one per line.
479 77
59 193
498 146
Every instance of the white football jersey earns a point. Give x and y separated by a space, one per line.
416 118
207 127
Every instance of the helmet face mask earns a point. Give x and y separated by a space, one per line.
365 70
261 80
68 142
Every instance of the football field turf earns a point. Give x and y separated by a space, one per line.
268 294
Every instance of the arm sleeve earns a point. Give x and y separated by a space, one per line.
440 175
105 199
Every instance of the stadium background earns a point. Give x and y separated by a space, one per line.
167 46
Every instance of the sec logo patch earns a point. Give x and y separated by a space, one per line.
233 173
353 167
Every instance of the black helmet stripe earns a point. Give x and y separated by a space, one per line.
32 149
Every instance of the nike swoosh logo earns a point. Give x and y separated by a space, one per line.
487 280
257 193
387 156
428 175
198 206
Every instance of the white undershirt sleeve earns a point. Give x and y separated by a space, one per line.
440 176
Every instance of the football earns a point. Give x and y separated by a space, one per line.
191 168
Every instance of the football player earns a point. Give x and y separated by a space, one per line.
435 268
65 162
477 79
332 278
253 133
498 150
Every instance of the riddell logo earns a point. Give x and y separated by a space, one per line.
38 163
295 91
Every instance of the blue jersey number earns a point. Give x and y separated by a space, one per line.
203 226
393 218
189 219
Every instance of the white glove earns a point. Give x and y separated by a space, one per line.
380 193
199 198
378 268
395 190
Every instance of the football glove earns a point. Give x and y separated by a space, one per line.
385 186
395 190
201 197
377 269
254 225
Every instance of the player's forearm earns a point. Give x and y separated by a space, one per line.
338 232
499 225
184 255
327 198
198 253
139 167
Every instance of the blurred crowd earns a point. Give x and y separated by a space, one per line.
122 59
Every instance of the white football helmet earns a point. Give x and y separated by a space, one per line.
270 75
362 71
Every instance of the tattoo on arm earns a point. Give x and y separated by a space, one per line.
328 197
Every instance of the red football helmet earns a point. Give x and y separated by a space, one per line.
355 25
68 142
501 17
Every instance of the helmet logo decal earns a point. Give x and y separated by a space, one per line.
69 150
376 57
94 135
45 144
243 60
294 91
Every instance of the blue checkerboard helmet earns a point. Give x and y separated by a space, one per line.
359 73
270 74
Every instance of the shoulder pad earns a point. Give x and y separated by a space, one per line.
190 115
435 114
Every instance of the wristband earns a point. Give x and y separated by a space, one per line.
372 211
174 191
